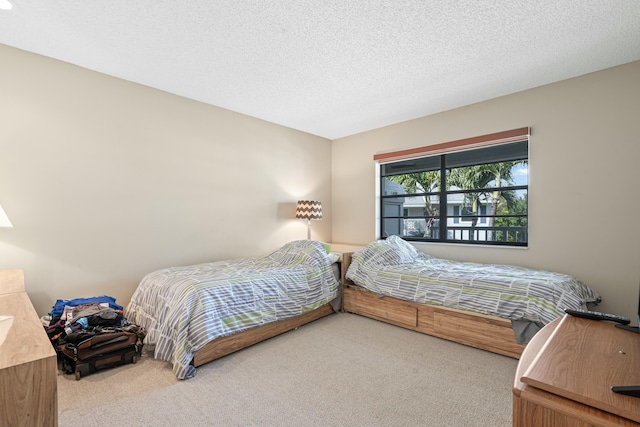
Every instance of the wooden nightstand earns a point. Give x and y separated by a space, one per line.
345 251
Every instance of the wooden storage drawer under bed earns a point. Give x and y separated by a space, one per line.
387 309
489 333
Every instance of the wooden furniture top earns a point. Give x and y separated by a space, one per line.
11 281
531 351
581 359
20 346
345 247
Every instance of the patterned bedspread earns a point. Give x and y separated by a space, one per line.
395 268
183 308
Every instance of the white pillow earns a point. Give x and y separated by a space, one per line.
333 258
405 250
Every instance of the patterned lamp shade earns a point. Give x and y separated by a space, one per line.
309 209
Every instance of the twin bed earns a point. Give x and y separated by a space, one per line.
196 314
493 307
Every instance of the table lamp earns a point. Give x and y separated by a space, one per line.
309 209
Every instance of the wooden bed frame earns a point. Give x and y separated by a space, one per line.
486 332
226 345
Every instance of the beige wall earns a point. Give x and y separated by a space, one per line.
584 189
106 180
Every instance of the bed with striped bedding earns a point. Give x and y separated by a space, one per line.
184 308
394 268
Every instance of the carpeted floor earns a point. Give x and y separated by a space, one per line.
340 370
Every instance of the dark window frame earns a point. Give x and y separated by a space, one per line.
452 232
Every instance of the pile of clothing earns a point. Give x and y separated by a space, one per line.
85 331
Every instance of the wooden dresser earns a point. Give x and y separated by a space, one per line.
565 375
28 365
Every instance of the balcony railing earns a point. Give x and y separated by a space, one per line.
488 234
473 234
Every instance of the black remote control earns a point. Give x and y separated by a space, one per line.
596 315
629 390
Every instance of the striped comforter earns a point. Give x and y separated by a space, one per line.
183 308
395 268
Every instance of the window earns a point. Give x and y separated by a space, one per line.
467 212
472 191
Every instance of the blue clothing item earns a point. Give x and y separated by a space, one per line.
83 322
58 307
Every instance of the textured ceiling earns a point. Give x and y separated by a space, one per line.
331 67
